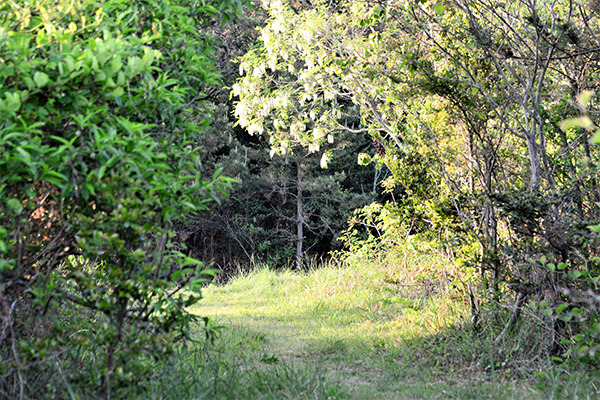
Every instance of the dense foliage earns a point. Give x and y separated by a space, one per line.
98 162
269 205
465 100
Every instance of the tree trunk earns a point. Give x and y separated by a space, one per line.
112 347
299 218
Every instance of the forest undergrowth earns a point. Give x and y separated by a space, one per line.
397 326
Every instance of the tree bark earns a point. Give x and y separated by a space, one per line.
299 218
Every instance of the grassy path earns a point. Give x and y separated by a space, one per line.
367 333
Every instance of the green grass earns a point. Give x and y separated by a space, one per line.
368 330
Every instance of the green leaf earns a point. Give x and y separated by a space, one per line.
109 163
13 101
561 308
189 205
198 283
41 79
6 264
196 287
547 312
217 174
148 56
55 177
191 261
25 156
117 92
116 65
100 76
364 159
135 65
211 271
378 11
596 138
14 205
91 188
70 63
177 274
29 83
567 317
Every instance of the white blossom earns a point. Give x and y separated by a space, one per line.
266 35
241 113
296 128
266 109
324 160
255 128
318 133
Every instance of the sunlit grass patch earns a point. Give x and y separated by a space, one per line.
354 312
395 327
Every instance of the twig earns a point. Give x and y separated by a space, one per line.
16 355
514 316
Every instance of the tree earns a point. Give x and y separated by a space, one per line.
260 220
96 168
476 89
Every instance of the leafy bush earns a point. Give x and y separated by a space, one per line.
96 166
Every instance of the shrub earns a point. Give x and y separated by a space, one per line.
96 166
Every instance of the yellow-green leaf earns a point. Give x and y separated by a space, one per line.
584 98
579 122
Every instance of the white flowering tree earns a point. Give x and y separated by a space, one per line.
302 84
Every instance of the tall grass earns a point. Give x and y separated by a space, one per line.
233 368
386 296
393 326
